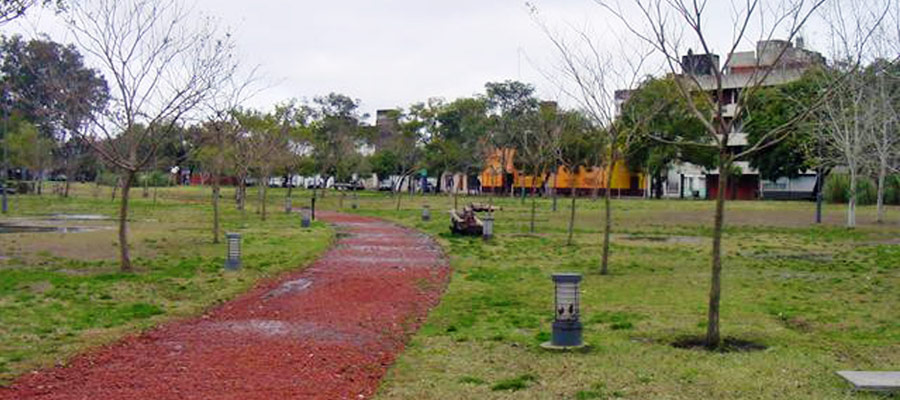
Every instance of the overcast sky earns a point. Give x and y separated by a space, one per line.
392 53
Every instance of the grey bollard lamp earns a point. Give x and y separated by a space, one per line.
305 217
233 255
567 327
487 228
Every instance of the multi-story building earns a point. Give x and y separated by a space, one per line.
783 62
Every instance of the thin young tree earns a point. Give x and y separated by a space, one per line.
588 75
849 119
162 63
663 25
534 149
576 144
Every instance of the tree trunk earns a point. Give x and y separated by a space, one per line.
819 197
124 251
263 192
455 198
607 225
572 213
851 207
399 192
115 188
215 203
553 190
66 188
241 193
571 221
456 194
882 174
533 205
713 337
146 193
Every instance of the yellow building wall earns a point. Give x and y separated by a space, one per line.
585 178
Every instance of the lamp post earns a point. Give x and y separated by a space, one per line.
233 256
426 213
305 215
567 328
487 227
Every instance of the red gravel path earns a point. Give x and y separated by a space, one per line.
327 332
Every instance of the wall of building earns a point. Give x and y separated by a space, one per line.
586 180
744 187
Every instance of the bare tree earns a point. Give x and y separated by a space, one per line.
220 129
534 149
850 118
662 24
268 142
884 99
162 63
588 75
12 9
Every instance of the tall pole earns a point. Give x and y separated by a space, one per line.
5 178
819 195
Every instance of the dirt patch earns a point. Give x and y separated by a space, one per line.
729 345
664 239
330 331
813 257
294 286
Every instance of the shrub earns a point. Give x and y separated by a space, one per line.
837 190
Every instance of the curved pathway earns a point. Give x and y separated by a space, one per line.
329 331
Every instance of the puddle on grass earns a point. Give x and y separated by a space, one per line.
12 228
78 217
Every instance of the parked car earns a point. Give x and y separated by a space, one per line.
355 185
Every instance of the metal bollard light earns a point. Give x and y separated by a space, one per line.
287 205
305 216
487 229
567 328
233 256
426 213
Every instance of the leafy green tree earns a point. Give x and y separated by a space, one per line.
774 106
509 104
459 139
48 84
336 135
658 116
29 149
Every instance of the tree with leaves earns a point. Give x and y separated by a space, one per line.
656 110
53 89
459 138
335 135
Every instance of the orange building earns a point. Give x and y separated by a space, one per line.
586 180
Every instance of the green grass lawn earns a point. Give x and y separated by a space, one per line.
821 299
62 293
